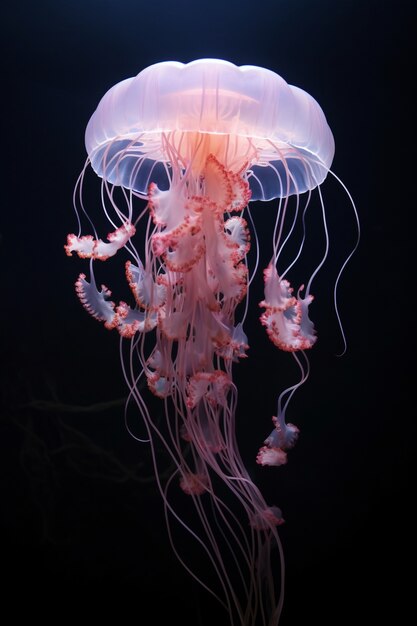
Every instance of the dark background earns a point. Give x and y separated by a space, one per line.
81 518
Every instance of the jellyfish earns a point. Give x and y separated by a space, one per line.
181 151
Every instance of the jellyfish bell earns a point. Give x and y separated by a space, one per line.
175 113
198 142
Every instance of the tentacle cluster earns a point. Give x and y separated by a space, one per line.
186 292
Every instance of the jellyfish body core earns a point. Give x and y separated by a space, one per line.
198 142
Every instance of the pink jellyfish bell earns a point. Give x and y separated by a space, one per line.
198 141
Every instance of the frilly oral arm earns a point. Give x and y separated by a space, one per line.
89 248
228 190
127 321
213 386
286 317
238 234
97 303
271 456
283 436
148 294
